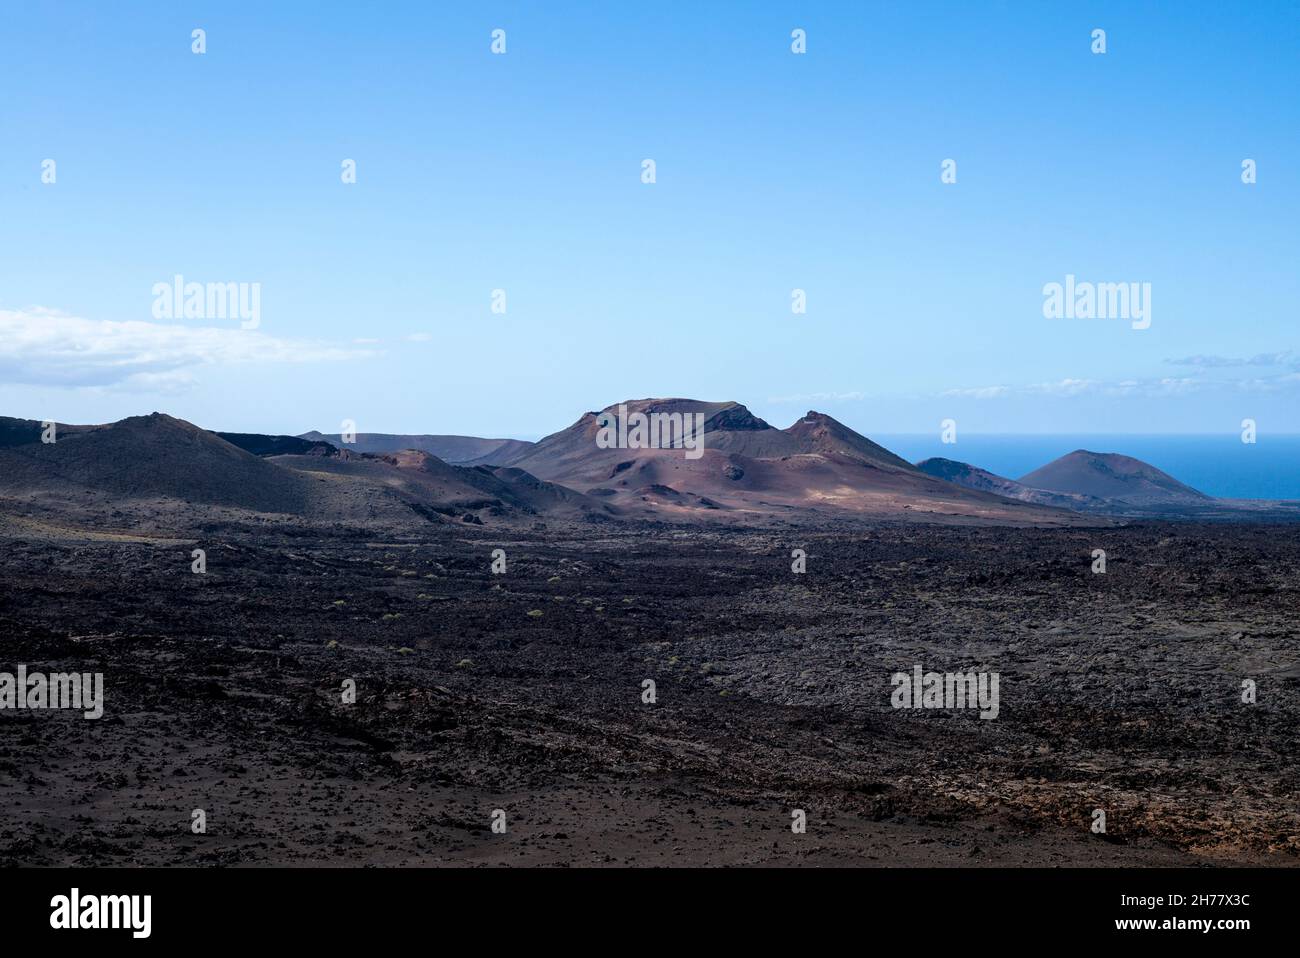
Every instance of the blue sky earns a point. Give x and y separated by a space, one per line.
775 171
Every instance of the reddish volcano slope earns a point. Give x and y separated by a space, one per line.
1112 476
748 465
973 477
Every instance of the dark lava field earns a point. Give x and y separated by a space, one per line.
518 697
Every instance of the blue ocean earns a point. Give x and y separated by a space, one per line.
1220 465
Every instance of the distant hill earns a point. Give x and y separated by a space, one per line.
264 445
21 432
376 486
973 477
160 469
748 466
165 472
457 450
150 457
1112 476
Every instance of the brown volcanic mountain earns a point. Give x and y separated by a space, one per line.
973 477
1111 476
392 486
147 458
817 432
729 429
457 450
750 466
166 472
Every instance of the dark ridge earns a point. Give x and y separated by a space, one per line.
262 445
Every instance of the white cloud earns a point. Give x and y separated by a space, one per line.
978 392
1081 387
50 348
1157 387
1286 357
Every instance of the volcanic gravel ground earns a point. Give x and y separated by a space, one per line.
523 692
